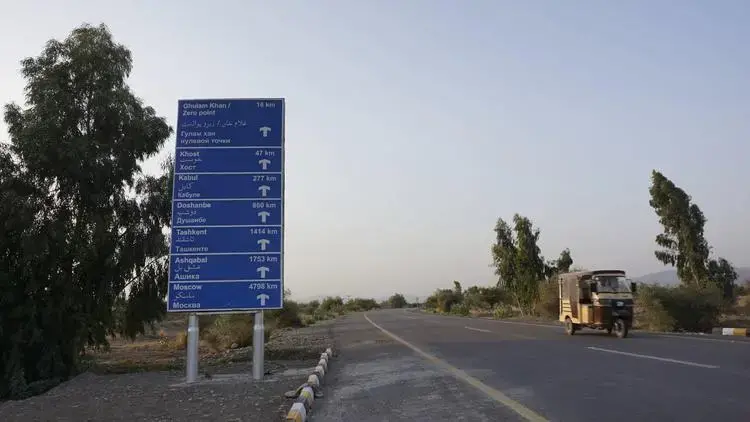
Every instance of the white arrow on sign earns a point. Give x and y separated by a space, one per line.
264 190
263 216
264 130
263 271
263 298
263 243
264 163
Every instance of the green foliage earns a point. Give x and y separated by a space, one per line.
504 311
518 260
548 305
332 305
442 300
286 317
359 305
223 332
683 243
564 262
504 255
721 275
81 222
461 309
397 301
680 308
484 298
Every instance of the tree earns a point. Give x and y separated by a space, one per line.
442 300
683 243
529 261
397 301
83 226
564 262
722 275
560 265
504 255
517 259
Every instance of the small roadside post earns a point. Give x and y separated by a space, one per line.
227 251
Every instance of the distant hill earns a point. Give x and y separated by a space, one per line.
669 277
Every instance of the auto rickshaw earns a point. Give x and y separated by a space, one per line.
600 299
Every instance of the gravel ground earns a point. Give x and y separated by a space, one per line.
228 393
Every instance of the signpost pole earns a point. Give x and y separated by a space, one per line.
258 346
192 348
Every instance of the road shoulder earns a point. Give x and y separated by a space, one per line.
375 378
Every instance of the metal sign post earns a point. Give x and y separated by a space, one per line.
258 346
192 348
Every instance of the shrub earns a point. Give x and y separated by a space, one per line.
227 330
231 329
681 308
359 304
331 305
548 304
460 309
180 341
287 316
445 299
484 297
309 308
397 301
504 310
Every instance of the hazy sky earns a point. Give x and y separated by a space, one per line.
412 125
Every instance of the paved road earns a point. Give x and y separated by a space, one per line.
375 378
498 370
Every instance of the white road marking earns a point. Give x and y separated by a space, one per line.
635 355
478 329
496 395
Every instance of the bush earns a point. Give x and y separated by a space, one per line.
286 317
483 298
359 305
548 304
443 300
310 307
231 330
461 309
331 305
504 310
681 308
397 301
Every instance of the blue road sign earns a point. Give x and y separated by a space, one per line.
227 251
226 160
265 212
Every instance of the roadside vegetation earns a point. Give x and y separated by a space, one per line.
83 251
709 294
83 247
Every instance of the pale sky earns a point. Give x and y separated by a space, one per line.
412 125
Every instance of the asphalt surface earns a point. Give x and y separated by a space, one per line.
452 368
374 378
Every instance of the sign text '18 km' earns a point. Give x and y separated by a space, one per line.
227 250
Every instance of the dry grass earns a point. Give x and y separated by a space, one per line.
165 348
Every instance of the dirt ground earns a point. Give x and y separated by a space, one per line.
144 381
